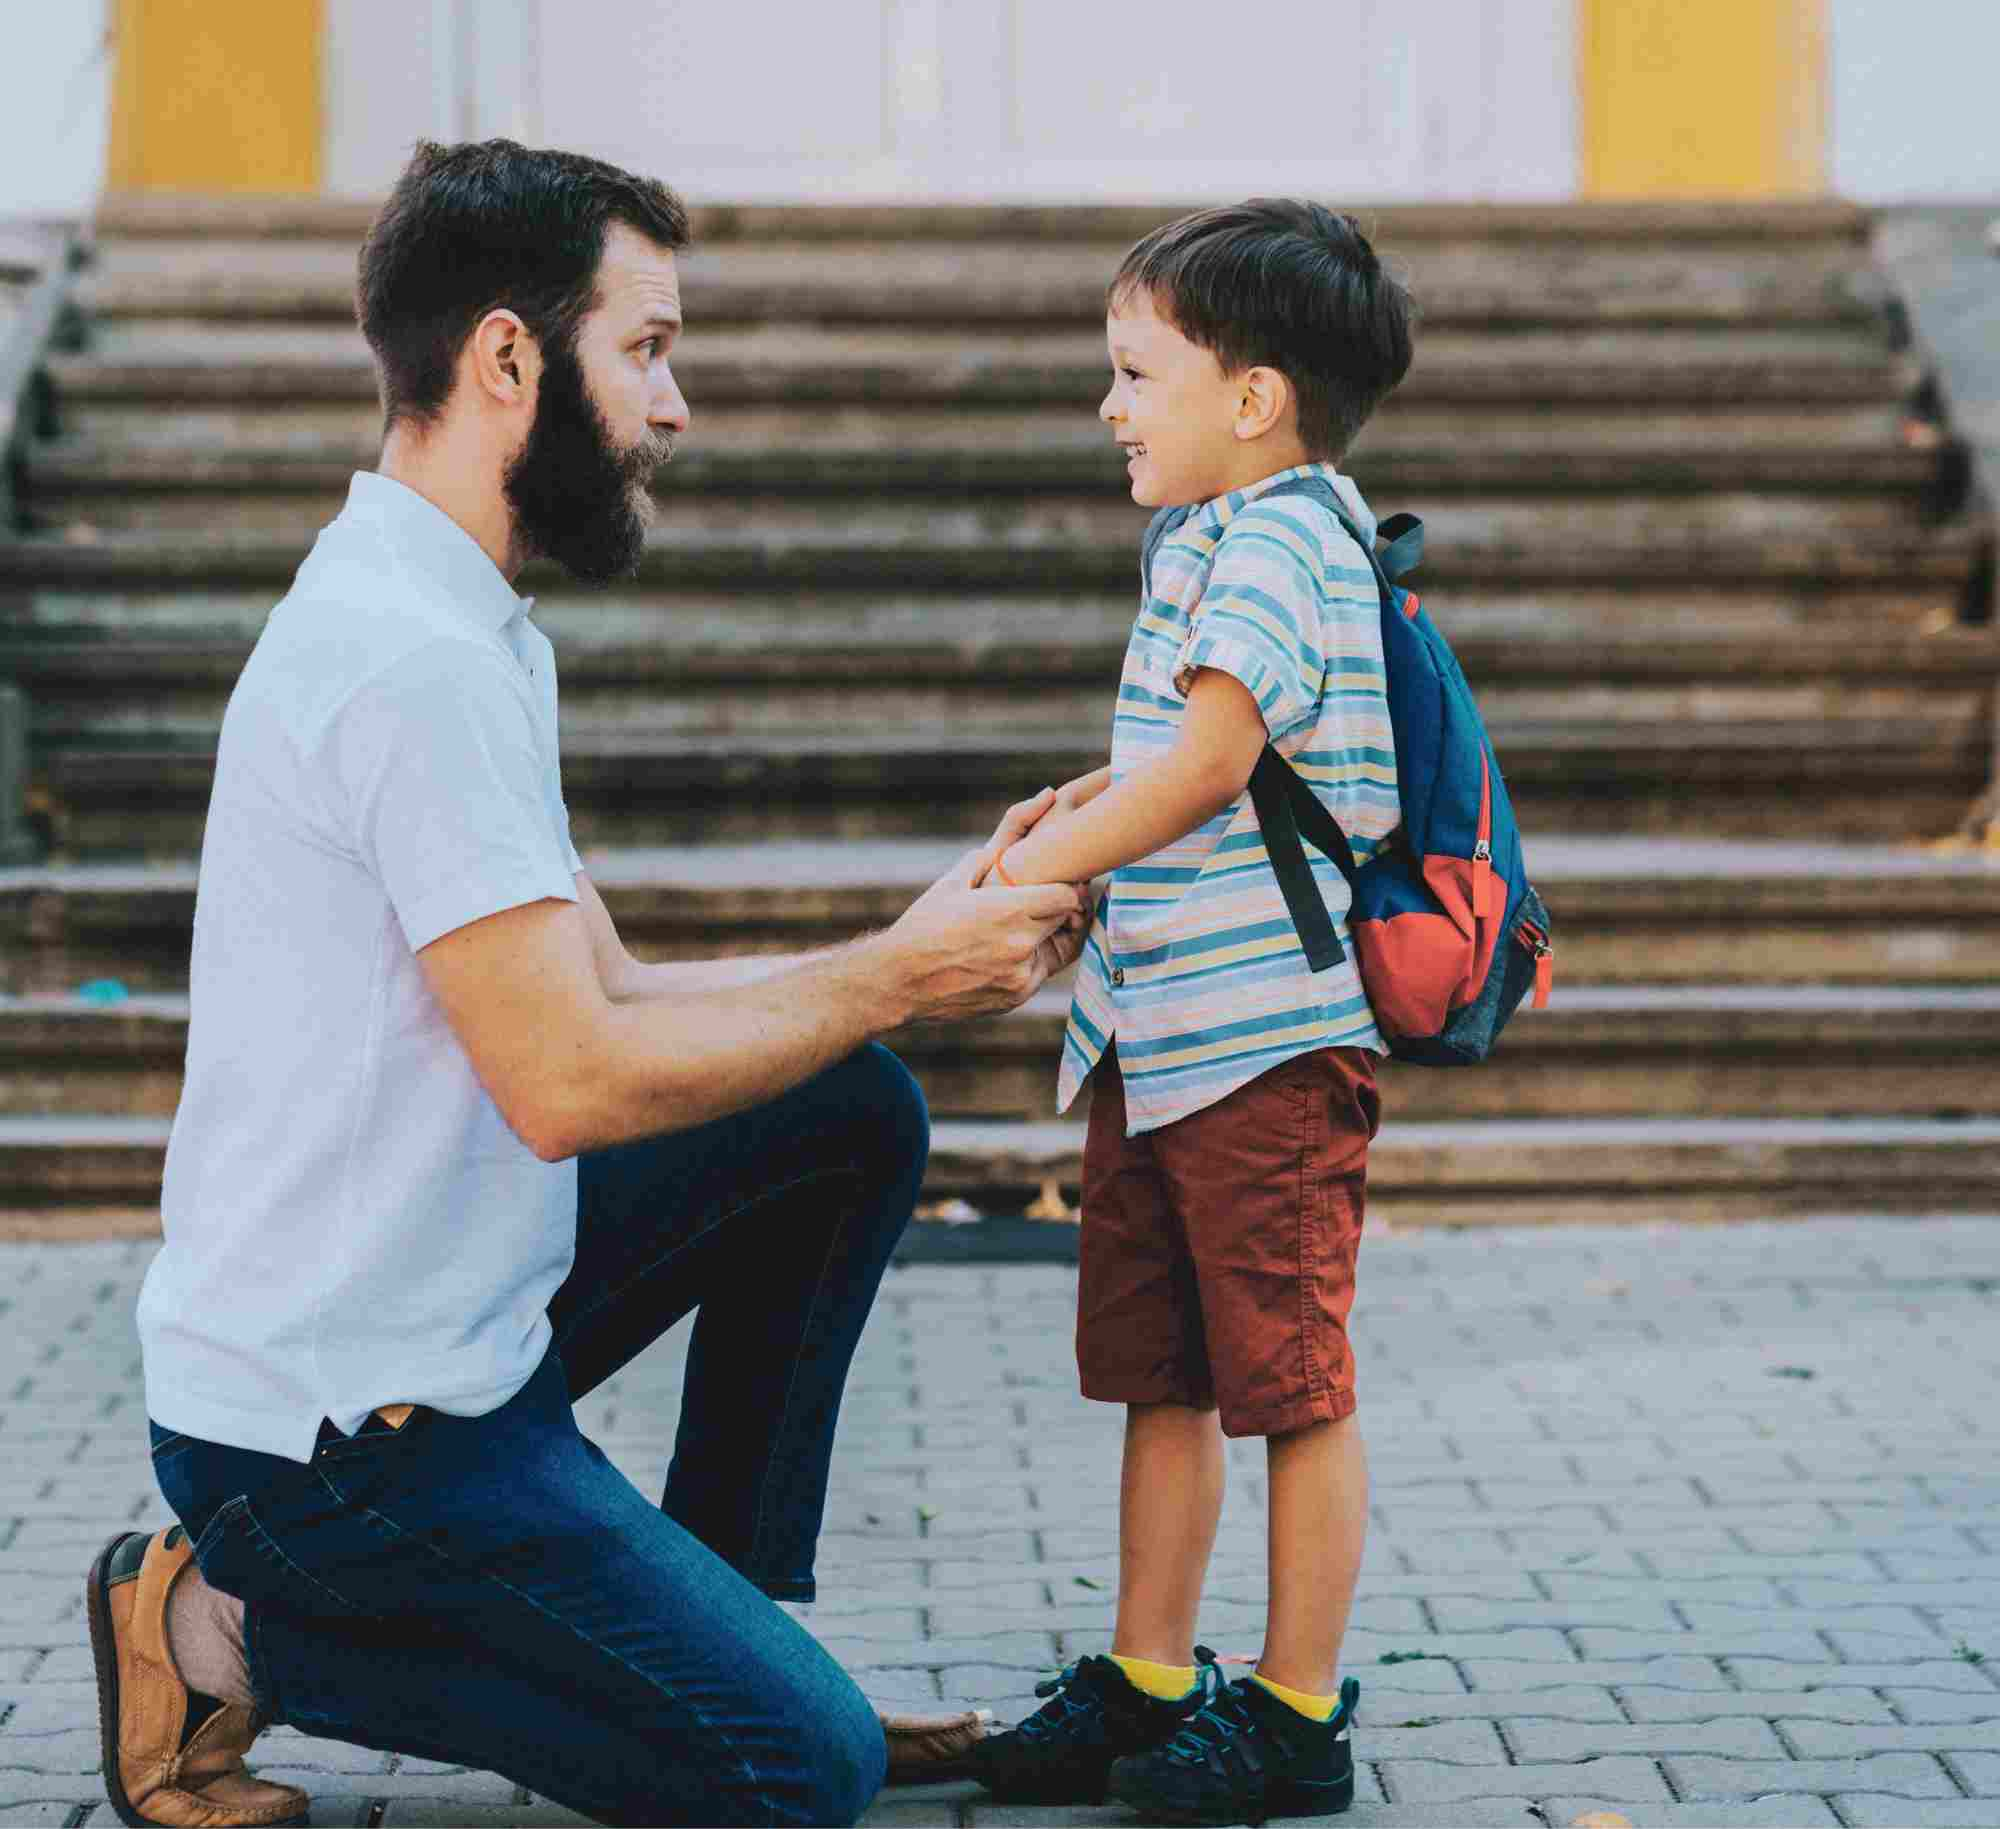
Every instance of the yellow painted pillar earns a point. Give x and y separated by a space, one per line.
216 95
1702 98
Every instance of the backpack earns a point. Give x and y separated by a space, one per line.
1448 934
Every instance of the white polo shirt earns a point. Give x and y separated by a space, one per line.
349 1221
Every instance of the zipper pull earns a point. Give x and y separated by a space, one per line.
1545 973
1482 878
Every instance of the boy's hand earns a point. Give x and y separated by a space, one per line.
1016 823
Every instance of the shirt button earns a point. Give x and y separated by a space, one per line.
1117 974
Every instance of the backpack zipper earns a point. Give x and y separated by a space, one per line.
1482 849
1537 943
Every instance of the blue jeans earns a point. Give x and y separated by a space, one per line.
490 1591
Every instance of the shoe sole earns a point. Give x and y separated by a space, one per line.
1327 1800
104 1653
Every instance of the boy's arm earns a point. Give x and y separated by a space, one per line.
1081 792
1222 734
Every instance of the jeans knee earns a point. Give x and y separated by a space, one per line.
896 1103
850 1761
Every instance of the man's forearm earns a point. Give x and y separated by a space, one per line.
668 1063
642 979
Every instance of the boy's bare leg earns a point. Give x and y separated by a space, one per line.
1318 1524
1169 1504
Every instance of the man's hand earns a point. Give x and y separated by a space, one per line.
968 951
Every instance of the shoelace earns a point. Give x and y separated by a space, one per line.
1056 1713
1216 1725
1046 1719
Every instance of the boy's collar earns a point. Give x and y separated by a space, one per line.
1222 509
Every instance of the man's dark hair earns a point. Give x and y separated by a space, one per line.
489 223
1276 283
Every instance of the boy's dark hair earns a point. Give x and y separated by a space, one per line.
484 224
1277 283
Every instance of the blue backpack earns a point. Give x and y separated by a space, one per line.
1448 934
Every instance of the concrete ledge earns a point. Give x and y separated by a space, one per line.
314 218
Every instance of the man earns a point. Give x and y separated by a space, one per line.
448 1156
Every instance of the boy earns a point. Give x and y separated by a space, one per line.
1235 1097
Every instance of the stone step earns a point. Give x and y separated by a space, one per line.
1487 284
114 467
107 689
600 636
200 635
1719 222
93 1177
1861 775
1589 1170
196 362
1627 912
1751 542
1687 1051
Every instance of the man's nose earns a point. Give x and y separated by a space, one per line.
670 409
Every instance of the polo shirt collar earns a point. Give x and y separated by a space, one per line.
434 544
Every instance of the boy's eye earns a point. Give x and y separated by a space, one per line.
1131 374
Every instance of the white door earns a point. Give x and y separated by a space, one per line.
977 100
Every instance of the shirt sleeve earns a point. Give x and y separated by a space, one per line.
1258 619
448 791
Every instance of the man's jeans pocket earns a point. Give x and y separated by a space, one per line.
259 1525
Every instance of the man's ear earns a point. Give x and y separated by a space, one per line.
506 361
1264 400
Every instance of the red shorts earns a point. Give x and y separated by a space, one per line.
1218 1251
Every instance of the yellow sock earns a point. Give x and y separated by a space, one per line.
1314 1708
1166 1682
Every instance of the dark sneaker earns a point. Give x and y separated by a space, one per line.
1062 1753
1243 1758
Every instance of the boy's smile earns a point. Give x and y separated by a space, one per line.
1189 431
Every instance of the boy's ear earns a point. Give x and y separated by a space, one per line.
1263 402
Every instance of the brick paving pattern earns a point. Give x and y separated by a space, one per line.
1697 1525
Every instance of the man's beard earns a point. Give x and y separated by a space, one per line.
577 498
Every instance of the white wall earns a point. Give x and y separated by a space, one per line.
55 92
1913 99
999 100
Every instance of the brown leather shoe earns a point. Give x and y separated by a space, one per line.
170 1756
931 1749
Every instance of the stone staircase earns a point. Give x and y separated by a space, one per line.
1700 550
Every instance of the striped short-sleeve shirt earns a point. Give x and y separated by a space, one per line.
1192 962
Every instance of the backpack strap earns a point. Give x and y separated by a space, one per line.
1285 807
1403 551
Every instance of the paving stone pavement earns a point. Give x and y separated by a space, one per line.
1693 1524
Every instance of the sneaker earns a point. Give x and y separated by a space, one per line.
1244 1757
1063 1752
